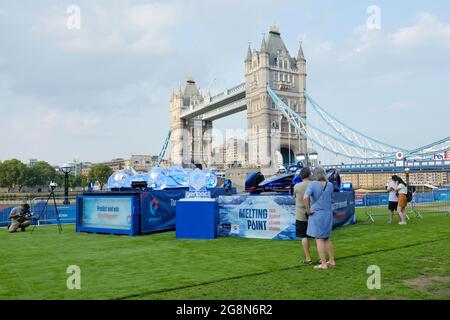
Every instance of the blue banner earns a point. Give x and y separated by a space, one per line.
263 217
158 207
4 213
273 217
343 204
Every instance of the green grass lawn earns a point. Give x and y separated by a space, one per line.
414 261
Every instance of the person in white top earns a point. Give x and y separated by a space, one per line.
402 190
391 186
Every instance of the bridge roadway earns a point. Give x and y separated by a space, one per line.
224 104
386 167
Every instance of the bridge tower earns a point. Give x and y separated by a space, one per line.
191 140
270 134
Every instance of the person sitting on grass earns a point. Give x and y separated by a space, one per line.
20 218
320 223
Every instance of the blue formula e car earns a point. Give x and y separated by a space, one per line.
284 181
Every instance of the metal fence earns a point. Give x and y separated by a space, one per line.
435 202
43 212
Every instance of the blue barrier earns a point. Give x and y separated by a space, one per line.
67 213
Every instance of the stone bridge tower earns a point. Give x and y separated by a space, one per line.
270 134
191 140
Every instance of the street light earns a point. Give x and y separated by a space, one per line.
309 157
301 157
66 169
407 175
313 156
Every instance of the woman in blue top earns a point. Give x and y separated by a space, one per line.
317 201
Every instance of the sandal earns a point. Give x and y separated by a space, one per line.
308 262
320 266
331 265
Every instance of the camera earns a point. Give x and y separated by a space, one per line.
52 185
28 215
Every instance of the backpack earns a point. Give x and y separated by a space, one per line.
409 194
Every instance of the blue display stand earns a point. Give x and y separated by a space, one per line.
196 219
132 212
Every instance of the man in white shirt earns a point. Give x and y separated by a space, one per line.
391 187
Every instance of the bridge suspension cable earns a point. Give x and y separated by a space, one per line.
351 134
163 151
365 141
336 145
430 149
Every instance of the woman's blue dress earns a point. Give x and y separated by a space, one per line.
320 223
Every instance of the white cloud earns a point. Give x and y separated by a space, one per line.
426 33
152 17
428 30
127 28
314 46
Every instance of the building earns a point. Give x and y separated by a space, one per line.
32 162
78 166
219 157
236 151
116 164
85 171
141 163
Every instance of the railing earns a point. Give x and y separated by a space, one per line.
391 166
376 204
218 98
46 214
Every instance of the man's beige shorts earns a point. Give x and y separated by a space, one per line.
14 226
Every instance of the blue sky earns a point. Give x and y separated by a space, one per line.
103 91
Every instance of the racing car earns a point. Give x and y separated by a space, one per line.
284 181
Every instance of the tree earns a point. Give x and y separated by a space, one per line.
84 182
75 181
13 174
40 174
100 173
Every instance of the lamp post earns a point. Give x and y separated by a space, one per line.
309 158
300 157
407 175
313 156
66 169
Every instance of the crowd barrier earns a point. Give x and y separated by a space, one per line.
376 204
41 213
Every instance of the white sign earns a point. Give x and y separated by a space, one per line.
399 155
399 163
